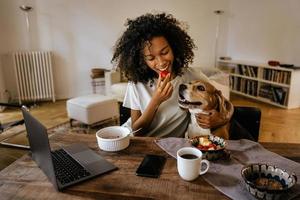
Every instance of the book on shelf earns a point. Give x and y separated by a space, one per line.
239 69
252 72
280 94
266 92
244 85
277 76
275 94
247 70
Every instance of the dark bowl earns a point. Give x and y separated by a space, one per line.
265 181
211 154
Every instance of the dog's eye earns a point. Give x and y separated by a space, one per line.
200 88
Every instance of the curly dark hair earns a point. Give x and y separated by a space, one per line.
128 52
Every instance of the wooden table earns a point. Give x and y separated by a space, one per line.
24 180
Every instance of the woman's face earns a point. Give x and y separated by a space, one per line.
158 54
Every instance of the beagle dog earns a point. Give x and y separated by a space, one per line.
201 96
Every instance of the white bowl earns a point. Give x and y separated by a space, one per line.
113 138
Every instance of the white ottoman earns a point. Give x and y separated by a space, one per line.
91 109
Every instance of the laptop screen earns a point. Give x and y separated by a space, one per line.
39 144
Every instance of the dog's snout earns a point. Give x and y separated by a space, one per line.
182 87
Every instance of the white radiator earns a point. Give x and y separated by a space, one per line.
33 71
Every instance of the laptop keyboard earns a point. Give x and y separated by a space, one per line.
66 168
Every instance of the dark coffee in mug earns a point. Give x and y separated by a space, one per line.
189 156
190 163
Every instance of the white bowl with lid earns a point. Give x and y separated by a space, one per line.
113 138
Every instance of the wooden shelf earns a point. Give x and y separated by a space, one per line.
259 81
258 98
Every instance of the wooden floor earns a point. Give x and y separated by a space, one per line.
50 114
277 124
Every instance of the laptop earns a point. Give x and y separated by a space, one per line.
66 166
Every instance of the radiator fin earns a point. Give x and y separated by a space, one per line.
33 71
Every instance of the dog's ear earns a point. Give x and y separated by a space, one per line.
221 101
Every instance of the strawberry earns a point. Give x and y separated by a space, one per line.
164 73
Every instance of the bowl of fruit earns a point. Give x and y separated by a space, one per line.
212 147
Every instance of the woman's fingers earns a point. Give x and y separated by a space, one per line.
212 119
164 88
205 126
168 90
159 81
163 83
203 120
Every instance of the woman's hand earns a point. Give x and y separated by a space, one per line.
211 120
162 92
164 89
214 118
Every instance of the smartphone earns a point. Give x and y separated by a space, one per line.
151 166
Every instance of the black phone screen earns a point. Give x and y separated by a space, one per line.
151 166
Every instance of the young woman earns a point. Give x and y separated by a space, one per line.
154 53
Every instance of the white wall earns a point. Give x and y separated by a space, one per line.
3 44
262 30
82 33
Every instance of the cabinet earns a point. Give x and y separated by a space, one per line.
273 85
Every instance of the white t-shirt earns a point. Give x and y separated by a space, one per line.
169 120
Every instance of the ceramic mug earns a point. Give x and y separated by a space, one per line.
189 163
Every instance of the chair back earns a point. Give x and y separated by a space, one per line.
245 123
